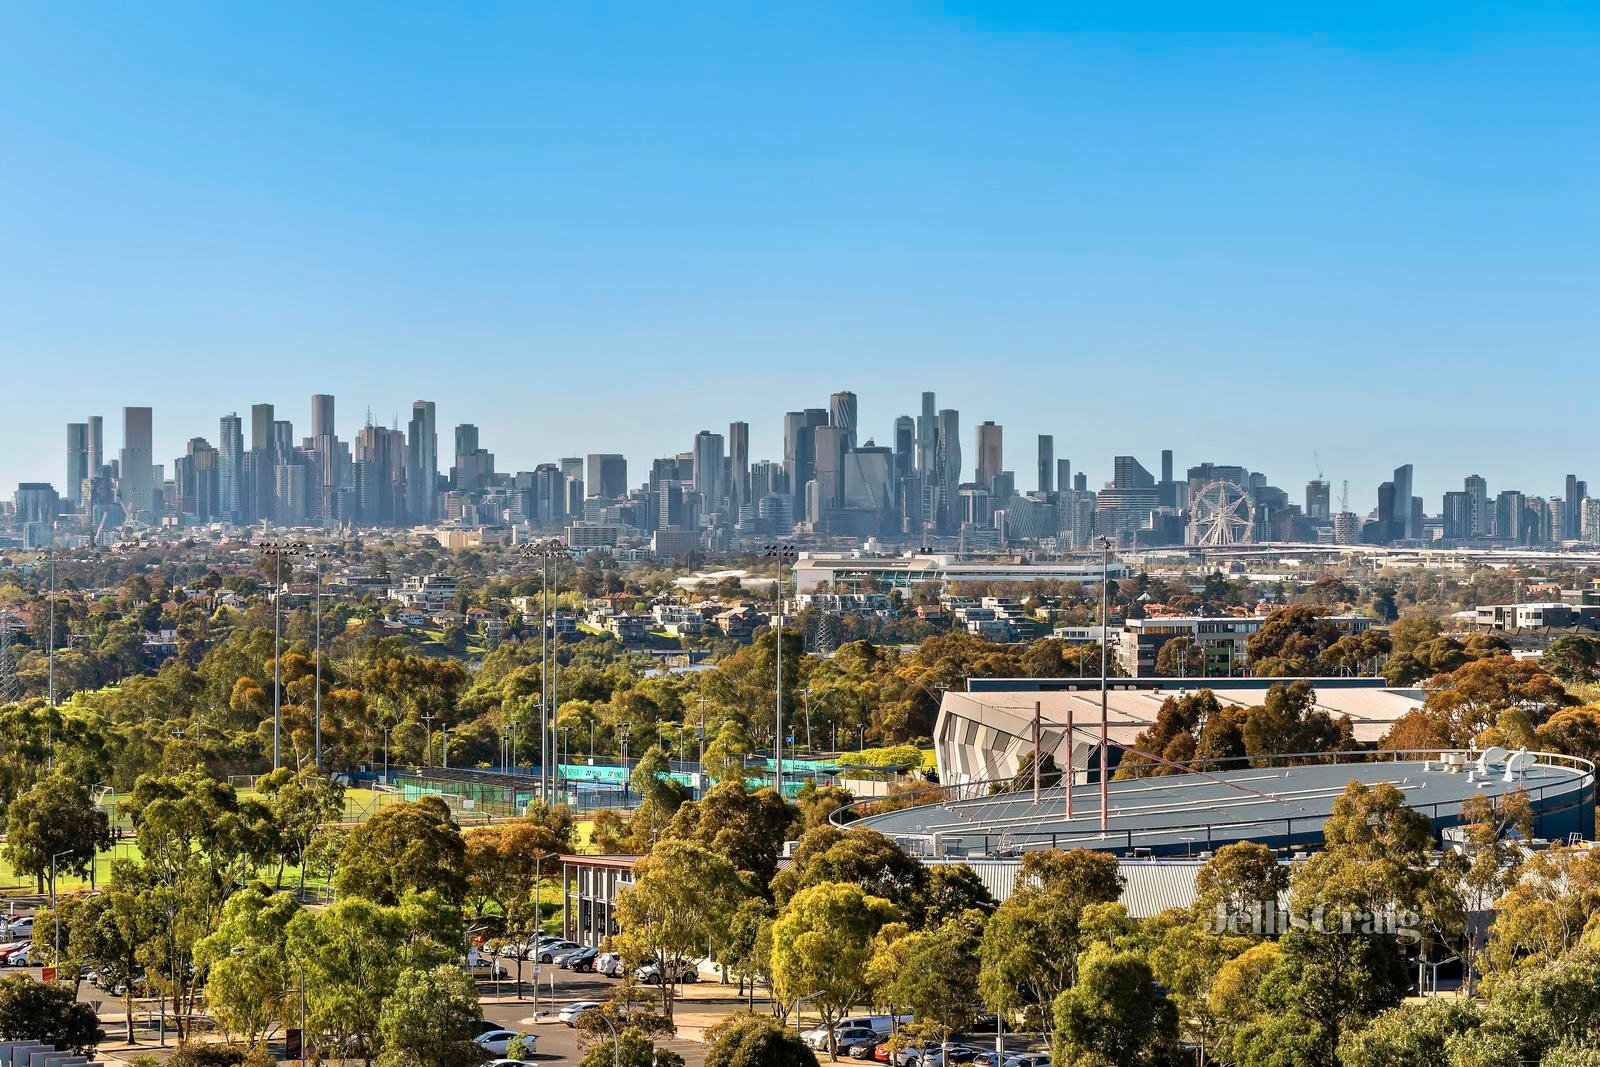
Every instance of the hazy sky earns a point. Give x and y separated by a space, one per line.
1243 233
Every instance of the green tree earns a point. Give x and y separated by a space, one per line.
746 951
299 803
1288 720
111 930
867 858
1031 944
1114 1014
350 957
678 910
725 755
938 980
56 815
430 1019
1409 1034
1238 880
756 1041
632 1048
1573 658
821 943
246 962
415 846
953 889
49 1013
746 826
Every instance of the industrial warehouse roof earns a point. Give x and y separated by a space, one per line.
1185 814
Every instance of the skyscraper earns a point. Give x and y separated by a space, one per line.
708 469
799 450
1047 463
829 469
1405 527
1482 514
77 461
738 467
991 454
1318 502
905 447
607 475
136 486
422 463
947 461
230 468
927 436
1572 516
322 416
97 445
1063 475
842 413
263 462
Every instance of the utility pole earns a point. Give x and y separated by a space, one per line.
783 552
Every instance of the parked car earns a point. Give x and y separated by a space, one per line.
17 957
22 927
935 1057
574 961
817 1037
650 974
570 1013
1029 1059
847 1039
495 1042
548 952
867 1050
610 964
510 1063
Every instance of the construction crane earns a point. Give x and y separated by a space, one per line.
1317 459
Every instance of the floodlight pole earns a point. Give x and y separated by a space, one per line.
1105 644
1036 751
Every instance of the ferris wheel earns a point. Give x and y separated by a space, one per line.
1221 514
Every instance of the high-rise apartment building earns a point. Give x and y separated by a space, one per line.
1047 464
136 485
77 461
708 469
97 445
422 463
1577 490
230 468
1477 489
991 454
1405 526
1319 504
927 438
828 468
947 462
738 467
905 447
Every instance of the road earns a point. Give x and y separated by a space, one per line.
559 1043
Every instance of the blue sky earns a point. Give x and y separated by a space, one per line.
1243 233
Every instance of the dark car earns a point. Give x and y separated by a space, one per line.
581 960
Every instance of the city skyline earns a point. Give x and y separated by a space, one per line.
1262 245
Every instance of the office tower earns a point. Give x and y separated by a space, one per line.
869 483
77 461
799 449
36 502
230 467
607 475
196 482
136 484
1063 475
473 470
842 413
738 466
1080 482
768 478
1404 527
1386 513
283 440
1477 490
927 438
1572 526
1166 464
1047 463
1318 502
1171 494
905 447
991 454
380 467
828 471
290 490
422 463
97 445
322 416
466 441
947 463
1457 516
1002 487
708 469
574 501
1129 473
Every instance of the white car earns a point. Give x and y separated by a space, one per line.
548 952
496 1042
16 957
610 964
570 1013
22 927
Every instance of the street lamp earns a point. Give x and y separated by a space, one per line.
783 552
277 549
616 1042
